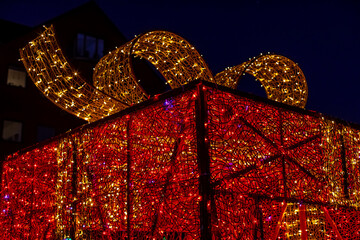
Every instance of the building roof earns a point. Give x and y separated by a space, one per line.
11 30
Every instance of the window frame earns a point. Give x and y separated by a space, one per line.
18 69
21 131
82 54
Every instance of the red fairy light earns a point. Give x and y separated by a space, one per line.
272 172
200 162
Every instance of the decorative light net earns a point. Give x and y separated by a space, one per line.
199 163
116 86
176 59
59 82
281 78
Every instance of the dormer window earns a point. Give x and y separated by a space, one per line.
89 47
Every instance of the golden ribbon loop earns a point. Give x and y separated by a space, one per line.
282 79
175 58
57 80
116 86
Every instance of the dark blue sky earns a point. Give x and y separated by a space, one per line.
323 37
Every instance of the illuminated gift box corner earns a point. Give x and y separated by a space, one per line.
198 162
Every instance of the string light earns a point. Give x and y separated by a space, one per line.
116 86
274 172
175 58
281 78
59 82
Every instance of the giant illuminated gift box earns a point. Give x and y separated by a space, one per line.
198 162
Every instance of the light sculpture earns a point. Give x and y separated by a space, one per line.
175 58
116 86
59 82
282 79
198 162
201 161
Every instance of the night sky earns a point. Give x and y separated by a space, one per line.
323 37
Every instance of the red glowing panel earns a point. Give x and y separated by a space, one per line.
196 163
28 194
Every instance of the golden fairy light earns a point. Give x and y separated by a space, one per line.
203 164
282 79
175 58
116 86
59 82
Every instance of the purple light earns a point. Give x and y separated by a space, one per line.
168 104
229 165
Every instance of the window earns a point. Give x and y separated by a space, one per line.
89 46
12 131
44 133
16 78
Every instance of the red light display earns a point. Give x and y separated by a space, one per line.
200 163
